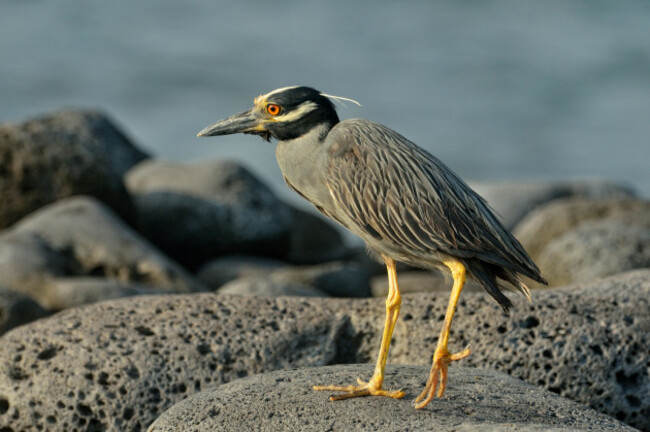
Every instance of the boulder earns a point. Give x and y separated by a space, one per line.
513 200
554 219
80 236
420 281
66 292
63 154
314 240
17 309
338 279
198 211
119 364
260 286
593 250
222 270
284 401
607 245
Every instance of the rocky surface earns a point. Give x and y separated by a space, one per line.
284 401
80 236
594 250
580 239
420 281
314 240
195 212
63 154
261 286
119 364
17 309
339 279
552 220
513 200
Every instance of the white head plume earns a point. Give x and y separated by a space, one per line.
340 99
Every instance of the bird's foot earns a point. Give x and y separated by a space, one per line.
370 388
438 375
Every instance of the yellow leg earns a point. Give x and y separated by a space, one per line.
442 357
374 386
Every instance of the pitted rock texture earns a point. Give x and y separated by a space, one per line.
80 236
198 211
126 361
338 279
284 401
513 200
17 309
117 365
63 154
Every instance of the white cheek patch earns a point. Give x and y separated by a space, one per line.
299 112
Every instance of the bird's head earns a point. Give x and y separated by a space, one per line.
286 113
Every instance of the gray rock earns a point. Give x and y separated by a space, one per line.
284 401
17 309
119 364
552 220
558 219
339 279
63 154
418 282
198 211
593 250
222 270
79 236
513 200
260 286
314 240
68 292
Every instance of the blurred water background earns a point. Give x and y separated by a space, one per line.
499 90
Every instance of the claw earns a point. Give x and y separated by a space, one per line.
363 389
438 376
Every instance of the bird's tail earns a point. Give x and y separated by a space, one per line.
486 274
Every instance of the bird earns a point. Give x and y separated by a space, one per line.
405 204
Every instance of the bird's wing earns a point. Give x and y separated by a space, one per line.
397 191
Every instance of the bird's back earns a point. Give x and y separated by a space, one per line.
395 191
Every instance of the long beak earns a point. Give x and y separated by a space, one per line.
244 122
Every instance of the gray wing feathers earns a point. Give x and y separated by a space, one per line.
397 191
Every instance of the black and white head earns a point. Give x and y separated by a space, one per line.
286 113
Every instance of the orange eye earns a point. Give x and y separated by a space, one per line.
273 109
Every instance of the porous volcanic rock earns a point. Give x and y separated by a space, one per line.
284 401
62 154
513 200
80 236
119 364
198 211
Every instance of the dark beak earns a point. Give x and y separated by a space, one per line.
245 122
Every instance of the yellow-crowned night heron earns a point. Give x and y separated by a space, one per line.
402 201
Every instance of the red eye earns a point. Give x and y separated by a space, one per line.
273 109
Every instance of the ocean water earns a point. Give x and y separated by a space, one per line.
499 90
